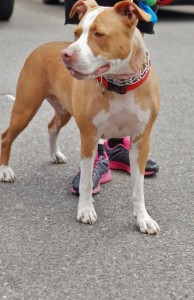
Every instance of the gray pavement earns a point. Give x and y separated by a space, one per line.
44 252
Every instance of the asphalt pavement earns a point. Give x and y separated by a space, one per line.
45 254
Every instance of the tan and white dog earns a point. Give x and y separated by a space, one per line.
117 96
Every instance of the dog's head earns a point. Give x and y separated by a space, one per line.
103 38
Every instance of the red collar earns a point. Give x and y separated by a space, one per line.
124 86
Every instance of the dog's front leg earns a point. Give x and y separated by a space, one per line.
86 212
138 156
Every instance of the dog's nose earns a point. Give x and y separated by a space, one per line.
67 54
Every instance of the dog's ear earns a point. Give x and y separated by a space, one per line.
81 7
131 11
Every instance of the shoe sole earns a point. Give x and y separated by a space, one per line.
115 165
104 179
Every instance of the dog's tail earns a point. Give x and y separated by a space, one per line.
10 97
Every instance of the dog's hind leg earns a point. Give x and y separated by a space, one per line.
60 119
25 107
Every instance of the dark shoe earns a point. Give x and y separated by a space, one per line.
101 174
151 168
119 158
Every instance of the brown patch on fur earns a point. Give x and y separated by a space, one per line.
143 148
78 31
147 96
88 144
132 11
81 7
93 104
138 57
111 44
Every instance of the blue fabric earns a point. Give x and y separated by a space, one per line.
144 6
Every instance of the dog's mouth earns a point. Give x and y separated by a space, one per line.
96 73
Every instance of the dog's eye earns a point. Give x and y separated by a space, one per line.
98 34
75 36
77 33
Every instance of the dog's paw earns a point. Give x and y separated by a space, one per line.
58 158
147 224
7 174
86 214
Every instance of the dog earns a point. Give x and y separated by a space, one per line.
107 84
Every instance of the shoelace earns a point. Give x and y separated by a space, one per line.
96 161
96 165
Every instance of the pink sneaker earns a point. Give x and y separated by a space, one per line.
119 155
101 174
119 158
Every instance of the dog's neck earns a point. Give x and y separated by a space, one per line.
124 83
129 78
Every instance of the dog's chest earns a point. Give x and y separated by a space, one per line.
124 117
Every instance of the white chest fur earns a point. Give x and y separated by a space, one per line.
124 118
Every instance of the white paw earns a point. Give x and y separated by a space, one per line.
86 213
7 174
147 224
58 158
